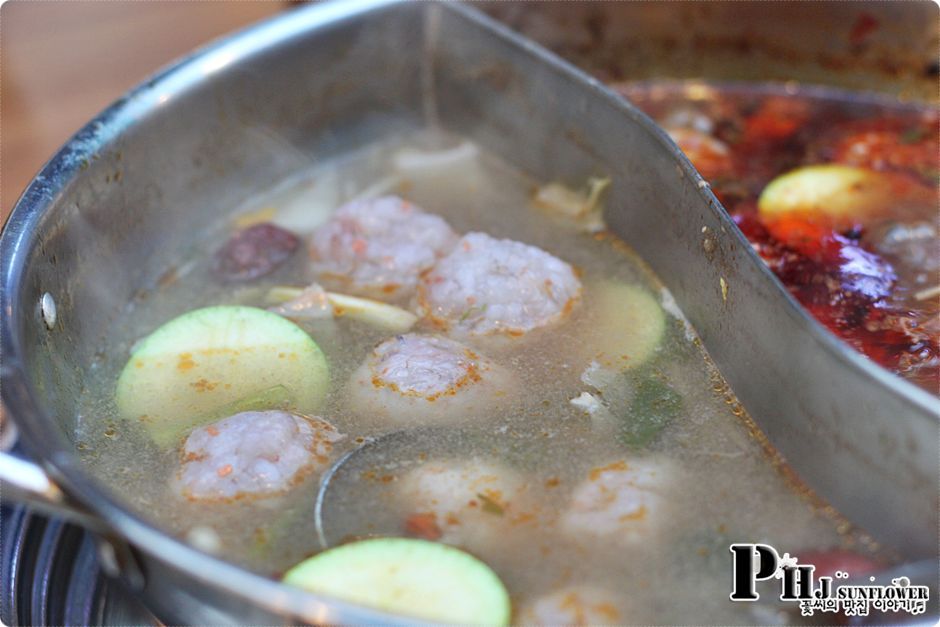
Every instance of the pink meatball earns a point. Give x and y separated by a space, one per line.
626 501
379 247
574 605
489 285
253 454
427 379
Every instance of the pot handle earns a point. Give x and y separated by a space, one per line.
26 482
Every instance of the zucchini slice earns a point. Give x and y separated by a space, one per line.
211 360
626 326
411 577
840 195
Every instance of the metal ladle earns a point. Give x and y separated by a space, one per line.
369 470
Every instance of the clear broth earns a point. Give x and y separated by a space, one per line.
731 488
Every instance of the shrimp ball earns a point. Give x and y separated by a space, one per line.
425 379
573 605
488 285
469 503
379 247
624 501
253 454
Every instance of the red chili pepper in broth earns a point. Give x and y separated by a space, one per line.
819 257
912 150
829 561
423 526
776 119
799 233
864 26
710 156
842 285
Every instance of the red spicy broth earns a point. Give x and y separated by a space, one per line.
871 278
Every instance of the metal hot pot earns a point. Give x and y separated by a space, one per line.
144 178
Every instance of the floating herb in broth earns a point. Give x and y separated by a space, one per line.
517 467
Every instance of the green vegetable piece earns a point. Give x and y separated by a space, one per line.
490 506
654 405
409 577
627 327
480 310
214 361
913 135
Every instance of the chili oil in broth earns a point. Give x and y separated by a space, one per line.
875 280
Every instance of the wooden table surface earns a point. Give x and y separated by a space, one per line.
62 61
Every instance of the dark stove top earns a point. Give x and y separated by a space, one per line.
49 575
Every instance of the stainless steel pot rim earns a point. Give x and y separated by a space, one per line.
787 88
20 397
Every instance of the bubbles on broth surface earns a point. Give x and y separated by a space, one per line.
668 406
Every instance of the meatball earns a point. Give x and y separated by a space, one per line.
469 503
622 501
489 285
425 379
253 454
574 605
378 247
